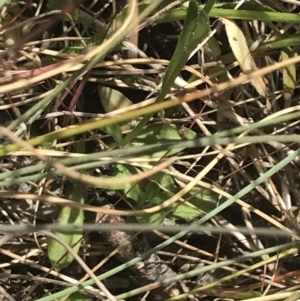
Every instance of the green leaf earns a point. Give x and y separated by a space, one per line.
56 252
164 134
161 186
112 100
204 199
165 180
121 170
209 5
115 131
154 195
151 189
187 42
2 2
185 211
155 218
78 297
47 145
146 202
151 192
183 48
248 11
289 75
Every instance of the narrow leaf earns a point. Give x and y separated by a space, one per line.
56 252
209 5
243 55
289 75
186 44
112 100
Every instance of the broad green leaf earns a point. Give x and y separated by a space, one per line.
68 215
112 100
151 194
151 190
121 170
204 199
155 218
185 211
161 186
164 134
78 297
146 202
154 195
47 145
115 131
70 6
165 180
198 202
187 42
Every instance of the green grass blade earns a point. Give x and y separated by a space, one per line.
209 5
183 49
246 12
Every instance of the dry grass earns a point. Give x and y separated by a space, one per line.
57 128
